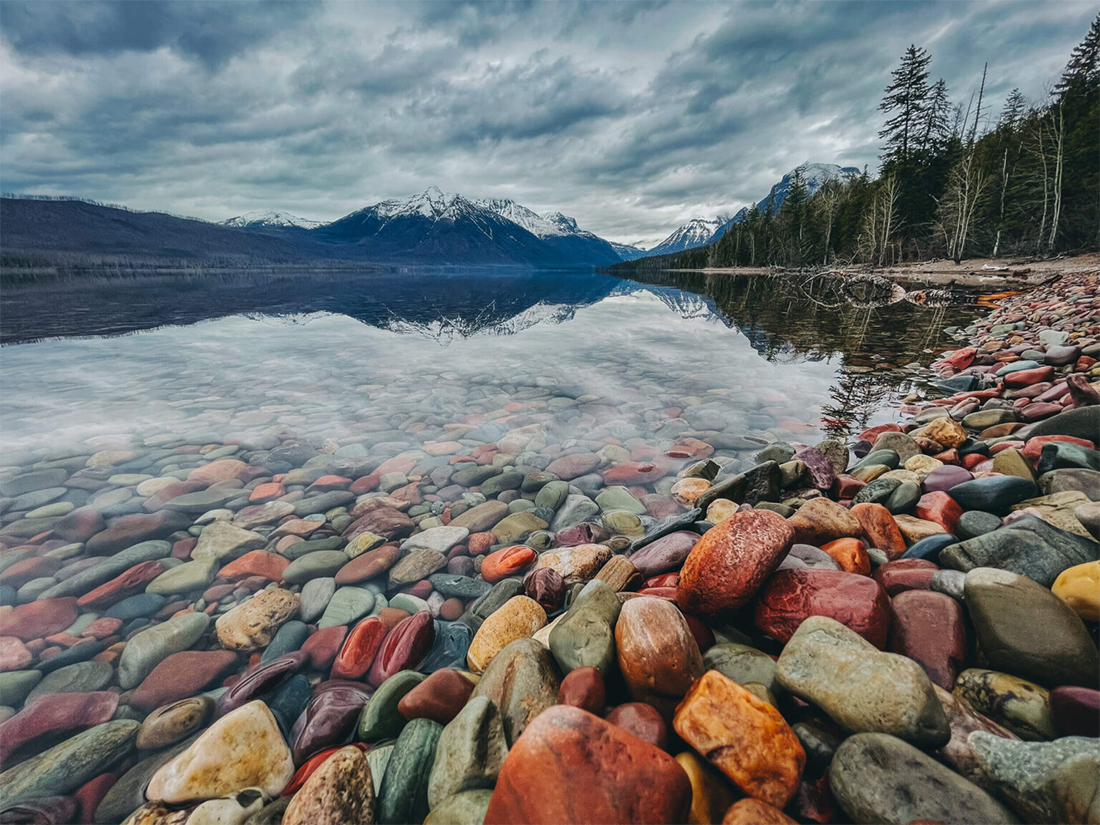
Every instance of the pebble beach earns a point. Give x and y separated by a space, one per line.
538 601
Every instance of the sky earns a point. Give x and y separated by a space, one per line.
632 117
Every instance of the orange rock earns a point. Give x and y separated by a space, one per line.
658 656
754 812
731 561
939 507
880 529
480 543
821 520
506 562
745 738
945 431
850 555
255 563
263 493
225 469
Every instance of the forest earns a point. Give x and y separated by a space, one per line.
956 181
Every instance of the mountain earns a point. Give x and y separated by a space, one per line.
696 232
628 252
814 174
270 219
558 231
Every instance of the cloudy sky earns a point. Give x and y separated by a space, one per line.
631 116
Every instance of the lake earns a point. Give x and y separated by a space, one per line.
333 358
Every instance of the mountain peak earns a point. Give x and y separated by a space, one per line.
270 218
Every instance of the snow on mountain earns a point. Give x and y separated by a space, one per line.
815 176
628 252
695 232
270 219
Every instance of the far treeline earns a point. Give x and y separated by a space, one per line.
953 182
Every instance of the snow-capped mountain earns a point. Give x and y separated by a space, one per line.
695 232
270 219
449 228
628 252
815 175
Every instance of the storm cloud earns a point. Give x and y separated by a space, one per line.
630 116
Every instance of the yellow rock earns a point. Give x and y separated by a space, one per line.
686 490
721 508
914 529
944 431
518 618
252 625
903 476
1079 587
922 465
243 749
578 563
711 792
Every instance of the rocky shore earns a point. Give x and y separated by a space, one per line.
467 619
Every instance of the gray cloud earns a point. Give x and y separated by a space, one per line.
631 116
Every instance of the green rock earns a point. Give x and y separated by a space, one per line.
128 793
470 753
319 564
553 494
876 457
1021 706
380 718
622 523
378 758
417 565
903 499
585 636
107 569
516 527
65 767
346 605
147 649
82 677
16 685
224 542
1043 781
508 480
523 681
743 664
187 577
618 498
1013 463
404 794
466 808
879 778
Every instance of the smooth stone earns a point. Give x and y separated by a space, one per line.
253 624
243 749
466 808
52 717
821 520
571 766
665 554
875 777
1079 588
1043 781
964 720
576 564
516 527
404 647
139 606
454 586
180 675
147 649
585 636
340 792
172 723
404 793
439 697
452 642
975 523
1021 706
16 686
315 597
658 656
186 578
418 565
128 792
223 542
288 638
1027 546
381 718
523 681
328 720
470 753
993 494
346 606
65 767
40 618
1076 710
742 664
1080 422
318 564
861 688
731 561
745 738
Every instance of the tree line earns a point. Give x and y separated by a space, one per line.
955 181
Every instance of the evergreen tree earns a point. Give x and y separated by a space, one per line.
1084 62
936 131
1013 112
906 99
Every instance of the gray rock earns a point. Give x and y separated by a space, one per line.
585 636
149 647
470 752
315 597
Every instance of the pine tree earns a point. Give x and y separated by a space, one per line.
1013 112
1084 62
936 131
907 97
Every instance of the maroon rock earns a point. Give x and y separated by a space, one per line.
129 583
1076 710
1037 410
328 720
635 472
856 601
404 648
130 530
322 646
45 810
80 525
1021 378
421 589
905 574
181 675
583 533
583 688
451 609
52 716
368 565
35 567
90 794
260 680
929 628
383 521
664 554
569 766
38 619
573 466
1081 391
547 587
642 720
14 655
439 697
820 470
942 479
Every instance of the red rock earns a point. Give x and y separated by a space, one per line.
941 508
404 647
134 529
880 529
421 589
790 596
90 794
322 646
256 563
641 720
583 688
871 434
507 562
368 565
1033 449
663 580
960 359
846 487
35 567
38 619
635 472
821 520
751 811
658 657
330 482
730 562
1022 378
224 469
703 635
166 494
480 543
102 627
127 584
850 554
182 548
263 493
573 466
570 766
439 697
80 525
180 675
451 609
902 575
360 649
364 484
929 628
55 716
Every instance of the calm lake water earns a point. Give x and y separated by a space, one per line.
333 358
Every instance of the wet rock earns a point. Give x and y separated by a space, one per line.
328 721
1079 588
742 664
174 722
1076 710
964 720
822 520
51 717
571 766
1021 706
861 688
340 792
1027 546
519 617
225 542
575 564
404 793
470 752
929 628
523 681
658 656
181 675
404 647
994 494
253 625
665 554
440 697
381 717
585 636
147 649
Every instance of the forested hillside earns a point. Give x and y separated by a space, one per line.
958 178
